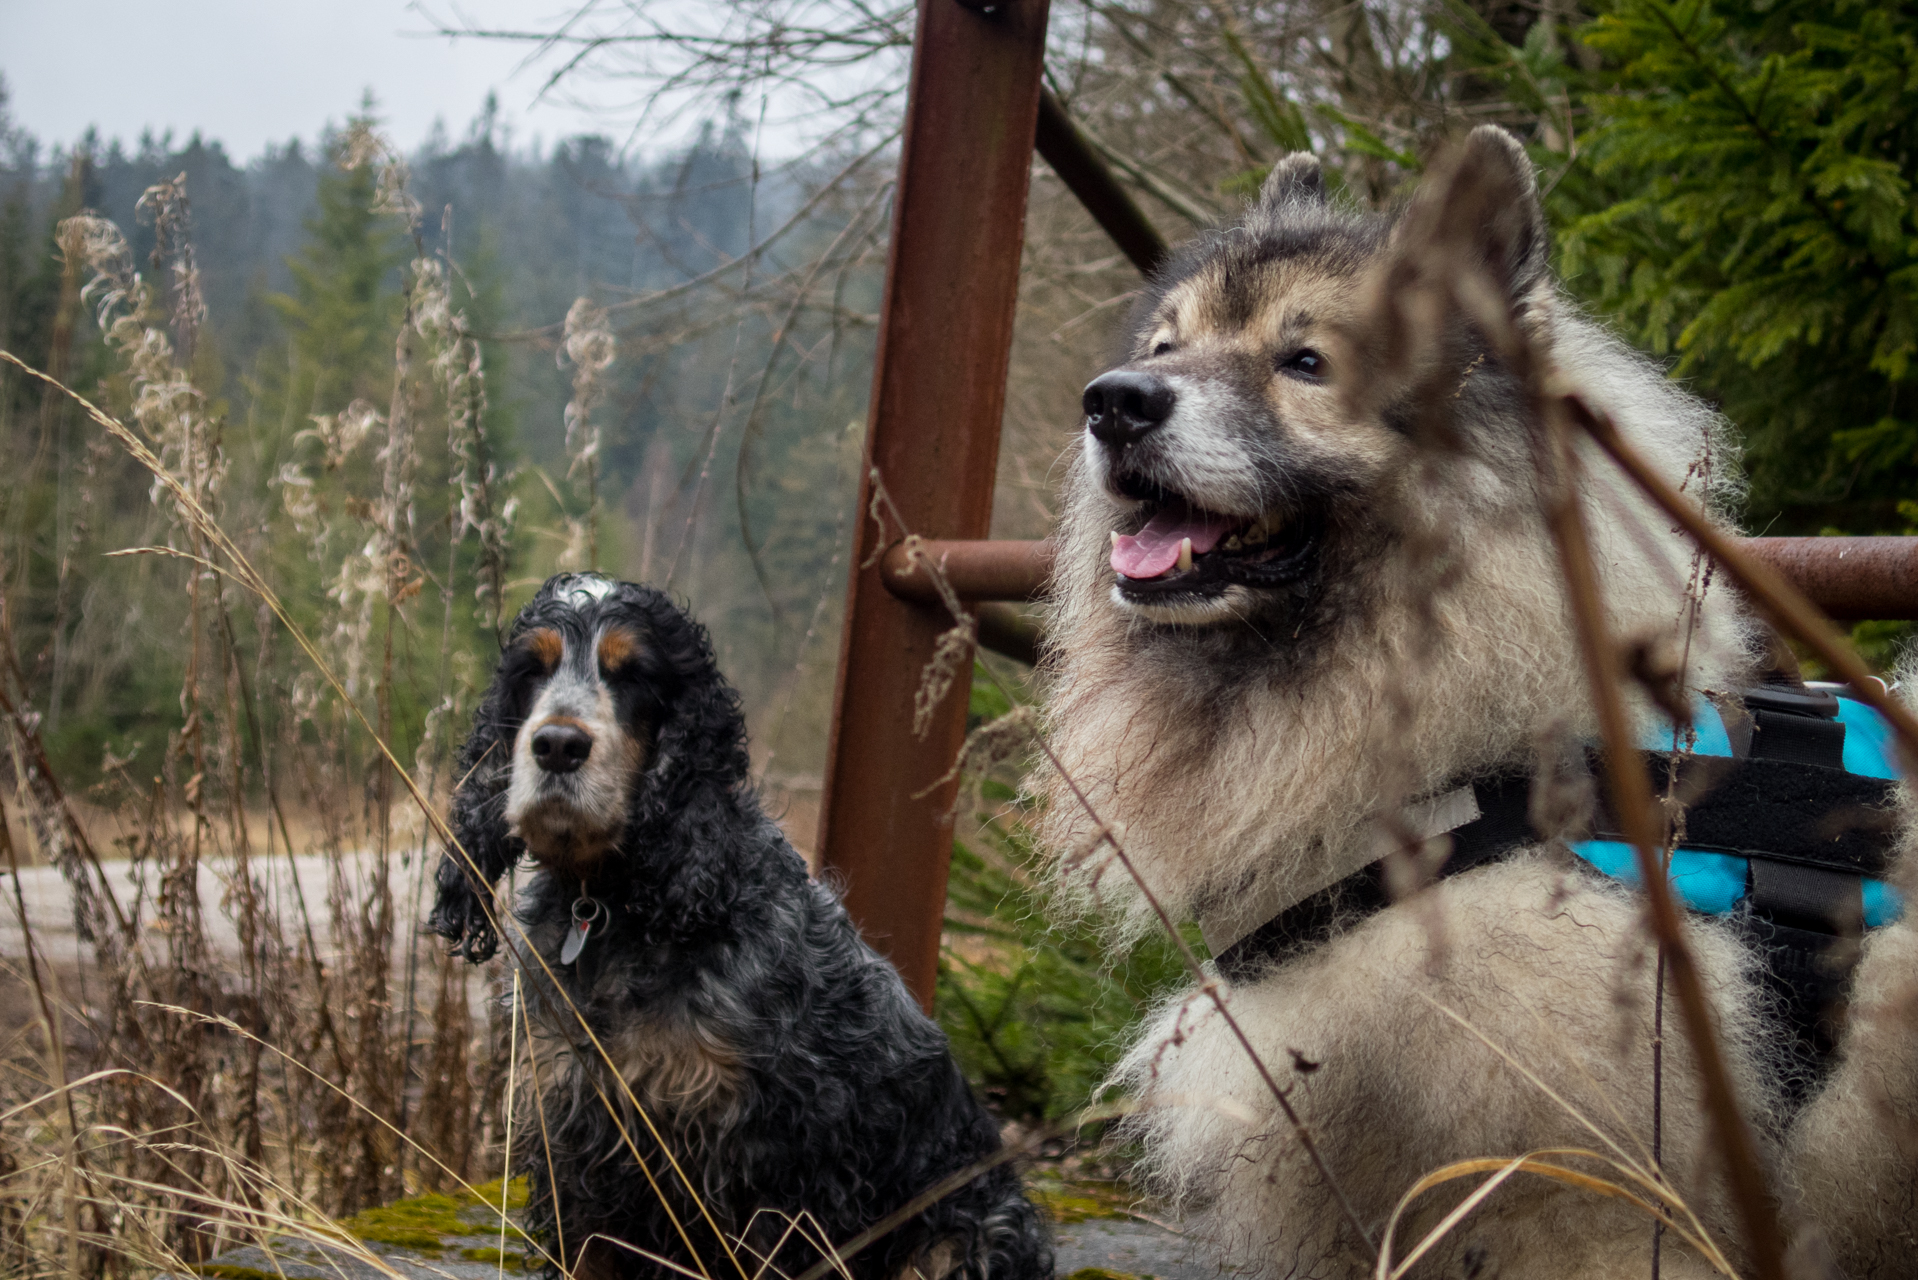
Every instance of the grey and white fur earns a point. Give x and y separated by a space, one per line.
1384 617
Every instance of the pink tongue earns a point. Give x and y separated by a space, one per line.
1155 548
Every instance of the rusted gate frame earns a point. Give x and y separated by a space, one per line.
939 387
976 108
1850 579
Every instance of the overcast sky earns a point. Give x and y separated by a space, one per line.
250 72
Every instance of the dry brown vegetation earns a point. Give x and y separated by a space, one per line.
251 1032
222 1022
249 1037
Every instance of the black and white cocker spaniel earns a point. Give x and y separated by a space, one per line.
779 1059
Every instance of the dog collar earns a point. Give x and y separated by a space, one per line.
1250 914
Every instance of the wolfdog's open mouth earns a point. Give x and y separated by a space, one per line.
1185 550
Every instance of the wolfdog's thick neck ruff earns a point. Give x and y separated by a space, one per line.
1278 618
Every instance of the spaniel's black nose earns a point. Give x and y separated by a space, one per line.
561 748
1124 405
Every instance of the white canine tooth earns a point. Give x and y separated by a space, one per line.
1115 537
1185 554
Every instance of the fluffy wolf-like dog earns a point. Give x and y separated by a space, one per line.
1280 618
796 1087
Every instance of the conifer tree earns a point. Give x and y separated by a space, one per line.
1747 203
344 306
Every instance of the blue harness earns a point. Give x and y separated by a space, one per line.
1714 881
1788 831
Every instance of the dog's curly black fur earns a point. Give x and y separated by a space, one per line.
781 1059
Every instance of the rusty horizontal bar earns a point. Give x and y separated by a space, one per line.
1851 579
991 573
998 570
1088 177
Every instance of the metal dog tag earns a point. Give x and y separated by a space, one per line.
586 914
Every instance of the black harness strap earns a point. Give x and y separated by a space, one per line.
1503 825
1809 830
1785 811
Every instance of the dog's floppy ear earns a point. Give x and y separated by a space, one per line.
1296 179
699 732
463 910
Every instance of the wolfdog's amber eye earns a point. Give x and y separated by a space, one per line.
1306 363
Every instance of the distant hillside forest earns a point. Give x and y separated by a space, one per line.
310 275
1730 186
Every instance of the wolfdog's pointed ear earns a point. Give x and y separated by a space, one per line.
1480 201
1517 244
1297 179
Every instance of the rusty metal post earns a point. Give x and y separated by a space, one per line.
939 389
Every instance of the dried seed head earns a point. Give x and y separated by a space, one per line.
1652 663
589 346
951 655
996 742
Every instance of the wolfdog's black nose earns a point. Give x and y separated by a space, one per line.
1122 406
561 748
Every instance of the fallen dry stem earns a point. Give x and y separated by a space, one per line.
1651 1176
1631 795
1502 1170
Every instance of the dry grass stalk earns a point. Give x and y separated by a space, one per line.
1436 277
588 344
241 569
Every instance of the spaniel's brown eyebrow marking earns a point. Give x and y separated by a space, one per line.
547 645
617 648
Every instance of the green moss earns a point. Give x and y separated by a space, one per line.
1068 1204
417 1223
494 1258
487 1193
422 1223
1101 1273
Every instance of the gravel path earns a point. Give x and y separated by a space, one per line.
1131 1247
283 882
1121 1246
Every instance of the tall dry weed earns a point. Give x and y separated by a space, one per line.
255 1034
